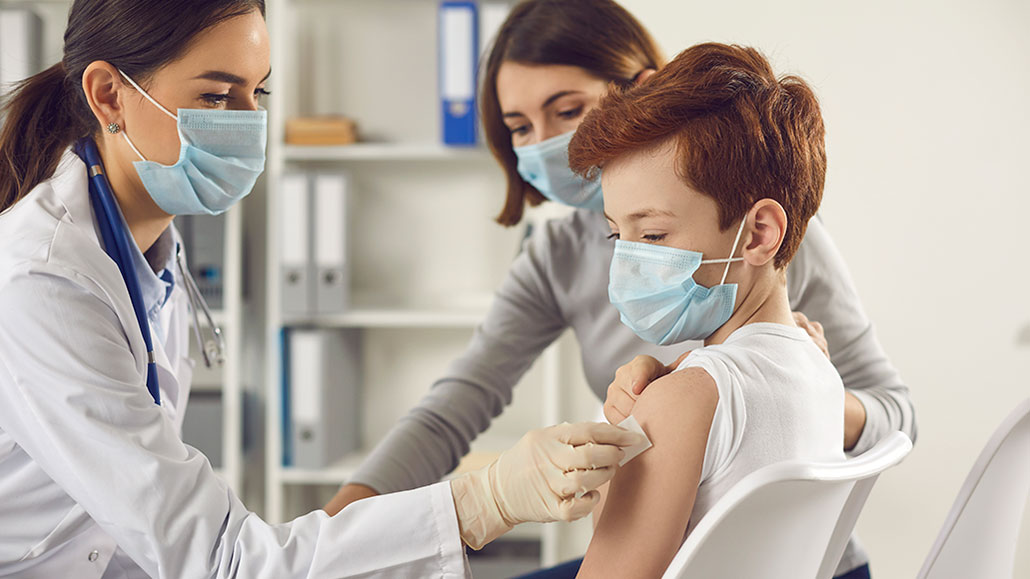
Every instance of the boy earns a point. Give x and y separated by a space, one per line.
711 172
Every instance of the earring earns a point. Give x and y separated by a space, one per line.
114 128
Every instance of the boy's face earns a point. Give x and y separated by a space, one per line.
646 201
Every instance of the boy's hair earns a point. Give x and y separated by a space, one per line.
741 134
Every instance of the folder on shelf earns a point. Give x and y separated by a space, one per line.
295 263
204 238
492 15
324 402
21 44
458 54
330 243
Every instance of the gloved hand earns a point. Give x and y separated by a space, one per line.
550 475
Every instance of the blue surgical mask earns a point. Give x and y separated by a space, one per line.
221 156
654 290
545 166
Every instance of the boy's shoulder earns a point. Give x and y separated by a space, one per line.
764 353
758 340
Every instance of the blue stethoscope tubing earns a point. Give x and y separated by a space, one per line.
116 244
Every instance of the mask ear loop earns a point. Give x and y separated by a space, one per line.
147 96
155 103
730 259
133 147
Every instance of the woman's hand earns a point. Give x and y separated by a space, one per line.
854 410
347 495
550 475
815 331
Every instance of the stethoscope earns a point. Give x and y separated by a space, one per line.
116 244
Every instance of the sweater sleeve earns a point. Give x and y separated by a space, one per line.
820 286
523 320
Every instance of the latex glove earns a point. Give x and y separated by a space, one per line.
551 474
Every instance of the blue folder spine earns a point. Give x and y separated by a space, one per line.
458 55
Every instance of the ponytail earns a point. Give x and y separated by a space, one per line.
41 120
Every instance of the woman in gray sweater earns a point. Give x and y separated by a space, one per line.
551 62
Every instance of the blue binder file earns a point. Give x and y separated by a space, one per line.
284 349
459 44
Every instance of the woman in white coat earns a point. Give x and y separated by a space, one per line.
154 112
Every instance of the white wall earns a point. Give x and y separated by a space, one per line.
927 196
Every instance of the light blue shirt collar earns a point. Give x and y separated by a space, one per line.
156 271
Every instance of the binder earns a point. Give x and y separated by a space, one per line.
458 51
492 15
204 237
295 263
21 46
330 243
324 396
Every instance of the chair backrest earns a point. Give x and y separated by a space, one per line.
980 535
784 521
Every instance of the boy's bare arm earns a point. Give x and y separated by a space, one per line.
650 499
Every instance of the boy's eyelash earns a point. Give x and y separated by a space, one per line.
654 236
613 236
571 113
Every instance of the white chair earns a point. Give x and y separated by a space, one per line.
789 520
979 536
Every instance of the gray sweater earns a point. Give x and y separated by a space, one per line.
559 281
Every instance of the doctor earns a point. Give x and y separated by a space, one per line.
153 112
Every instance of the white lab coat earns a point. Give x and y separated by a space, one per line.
95 480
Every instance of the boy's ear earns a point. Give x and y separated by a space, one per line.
768 227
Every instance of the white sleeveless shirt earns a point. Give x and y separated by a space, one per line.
779 399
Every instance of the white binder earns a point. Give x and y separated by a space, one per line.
331 279
492 15
295 264
325 386
21 34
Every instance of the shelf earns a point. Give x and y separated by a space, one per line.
385 152
394 318
340 471
220 317
336 473
464 311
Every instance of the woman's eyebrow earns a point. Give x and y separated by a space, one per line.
546 104
228 77
557 96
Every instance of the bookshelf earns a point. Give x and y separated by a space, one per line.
425 254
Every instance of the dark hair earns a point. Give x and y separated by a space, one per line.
598 36
741 134
48 112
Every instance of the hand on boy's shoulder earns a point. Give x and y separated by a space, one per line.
815 331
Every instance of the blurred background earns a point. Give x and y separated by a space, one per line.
927 198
